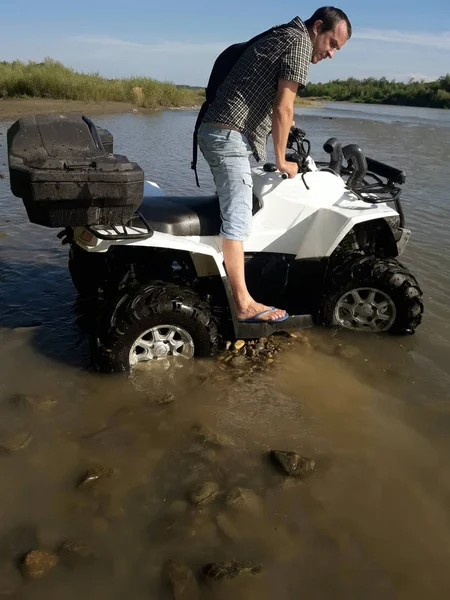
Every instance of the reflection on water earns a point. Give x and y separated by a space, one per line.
372 522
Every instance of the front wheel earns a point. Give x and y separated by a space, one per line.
156 321
374 295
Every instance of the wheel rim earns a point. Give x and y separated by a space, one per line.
365 309
162 341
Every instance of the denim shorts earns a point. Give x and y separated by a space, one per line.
227 152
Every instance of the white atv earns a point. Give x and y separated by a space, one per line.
324 247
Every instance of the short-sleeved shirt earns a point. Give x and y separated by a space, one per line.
245 99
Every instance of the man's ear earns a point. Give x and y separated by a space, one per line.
318 27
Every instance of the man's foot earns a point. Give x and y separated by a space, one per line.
265 313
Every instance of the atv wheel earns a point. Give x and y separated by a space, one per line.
375 295
156 321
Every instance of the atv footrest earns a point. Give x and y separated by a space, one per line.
265 329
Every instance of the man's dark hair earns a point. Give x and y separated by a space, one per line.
330 18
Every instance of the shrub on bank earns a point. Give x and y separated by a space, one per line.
51 79
433 94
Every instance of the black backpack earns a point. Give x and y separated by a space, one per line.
221 68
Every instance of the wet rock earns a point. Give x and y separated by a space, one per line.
245 499
302 338
203 453
74 552
21 401
207 436
13 441
10 580
227 345
230 569
167 398
204 494
182 580
27 402
93 475
228 527
239 344
259 347
38 563
45 403
347 351
239 362
292 463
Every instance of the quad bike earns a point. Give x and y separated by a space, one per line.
324 247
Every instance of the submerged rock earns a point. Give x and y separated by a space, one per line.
347 351
205 493
238 361
182 580
245 499
38 563
74 552
207 436
93 475
167 398
230 569
13 441
292 463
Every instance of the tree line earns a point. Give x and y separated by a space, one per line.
433 94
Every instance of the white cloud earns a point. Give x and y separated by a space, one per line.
417 38
164 47
421 77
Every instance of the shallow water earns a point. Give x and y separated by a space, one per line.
373 521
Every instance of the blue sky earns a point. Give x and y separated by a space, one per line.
178 40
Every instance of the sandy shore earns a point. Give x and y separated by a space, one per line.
18 107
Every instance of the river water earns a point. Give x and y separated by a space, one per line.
372 522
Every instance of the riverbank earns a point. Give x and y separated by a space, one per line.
12 108
19 107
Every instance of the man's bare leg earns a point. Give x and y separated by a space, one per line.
246 307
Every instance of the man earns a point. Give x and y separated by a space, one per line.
257 97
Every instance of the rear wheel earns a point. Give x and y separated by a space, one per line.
156 321
374 295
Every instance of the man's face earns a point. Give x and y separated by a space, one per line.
326 44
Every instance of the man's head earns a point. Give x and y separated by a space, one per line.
329 29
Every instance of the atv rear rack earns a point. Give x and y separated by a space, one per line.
129 232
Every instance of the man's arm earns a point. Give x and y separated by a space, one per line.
283 113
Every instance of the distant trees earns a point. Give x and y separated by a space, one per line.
434 94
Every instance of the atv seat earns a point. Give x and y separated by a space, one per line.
183 215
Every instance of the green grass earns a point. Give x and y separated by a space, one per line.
51 79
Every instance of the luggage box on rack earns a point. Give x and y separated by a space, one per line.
60 168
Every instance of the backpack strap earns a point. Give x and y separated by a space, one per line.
198 122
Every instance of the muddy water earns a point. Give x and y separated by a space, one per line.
374 413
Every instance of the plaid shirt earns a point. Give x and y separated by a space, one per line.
245 99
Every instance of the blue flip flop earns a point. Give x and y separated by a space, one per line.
256 319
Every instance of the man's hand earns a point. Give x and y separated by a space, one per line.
282 121
291 168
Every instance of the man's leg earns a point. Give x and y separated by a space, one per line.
227 154
246 306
